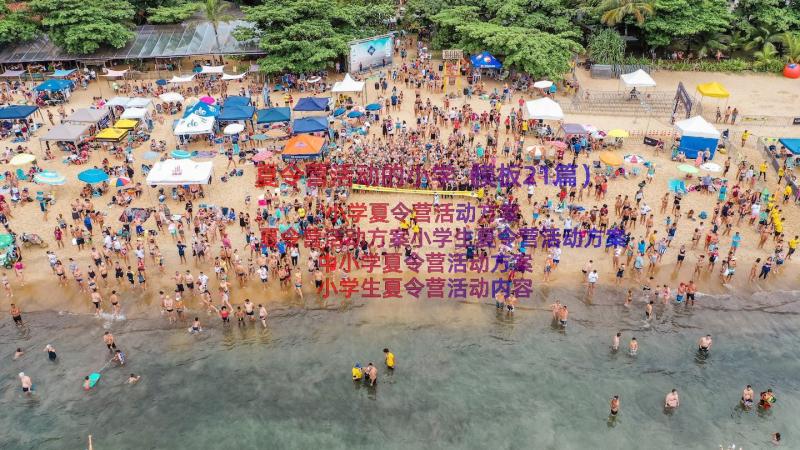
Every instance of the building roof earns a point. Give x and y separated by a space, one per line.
151 41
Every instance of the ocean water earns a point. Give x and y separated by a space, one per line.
467 377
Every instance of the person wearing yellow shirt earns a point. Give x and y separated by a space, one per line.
358 373
787 192
745 137
778 227
781 173
389 356
762 171
792 247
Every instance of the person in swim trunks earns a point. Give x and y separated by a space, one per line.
615 405
704 344
249 309
747 396
563 314
16 314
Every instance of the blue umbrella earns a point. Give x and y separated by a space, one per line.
354 114
93 176
180 154
260 137
338 112
373 107
161 82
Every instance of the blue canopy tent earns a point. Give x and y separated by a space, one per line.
485 60
274 115
236 112
793 145
17 112
63 73
312 104
202 109
54 84
236 100
310 125
697 135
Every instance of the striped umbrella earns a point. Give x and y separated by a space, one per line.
49 178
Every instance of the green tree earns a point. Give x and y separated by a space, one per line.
791 47
81 27
676 22
308 35
16 27
606 47
174 13
616 11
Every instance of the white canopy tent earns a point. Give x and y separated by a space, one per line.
139 102
194 125
227 77
697 126
348 84
184 79
134 113
118 101
87 115
115 73
544 109
171 97
212 69
67 132
640 79
174 172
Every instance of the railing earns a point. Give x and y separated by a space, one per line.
652 103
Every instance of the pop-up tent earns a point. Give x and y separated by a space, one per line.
312 104
194 125
139 102
67 132
713 89
303 147
574 129
310 125
134 113
202 109
62 73
17 112
236 112
236 100
175 172
111 135
88 115
640 79
697 135
485 60
274 115
793 145
119 101
544 109
226 77
184 79
348 84
54 85
12 74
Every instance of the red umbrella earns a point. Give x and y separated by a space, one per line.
263 155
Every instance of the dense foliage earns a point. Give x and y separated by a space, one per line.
81 27
606 47
308 35
16 26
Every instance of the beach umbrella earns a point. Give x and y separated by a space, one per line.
618 133
234 128
171 97
338 112
180 154
161 82
373 107
22 159
49 178
558 144
612 159
687 168
543 84
263 155
634 159
151 156
122 181
93 176
208 100
711 167
354 114
260 137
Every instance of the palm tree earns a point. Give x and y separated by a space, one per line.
214 11
791 47
615 11
767 56
761 36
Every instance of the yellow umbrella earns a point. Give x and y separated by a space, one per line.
22 159
612 159
618 133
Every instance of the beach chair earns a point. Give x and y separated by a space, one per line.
21 175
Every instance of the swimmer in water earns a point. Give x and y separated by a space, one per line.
87 384
629 298
19 353
767 399
704 344
556 308
133 379
262 315
389 357
358 373
372 372
51 352
615 342
672 401
648 311
196 326
563 315
119 357
747 396
615 405
27 384
633 346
